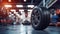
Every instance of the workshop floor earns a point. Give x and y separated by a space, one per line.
27 29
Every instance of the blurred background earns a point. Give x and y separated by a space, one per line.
15 17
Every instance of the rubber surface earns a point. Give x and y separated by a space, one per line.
44 18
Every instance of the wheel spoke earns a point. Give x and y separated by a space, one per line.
36 17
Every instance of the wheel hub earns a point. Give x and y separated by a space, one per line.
36 17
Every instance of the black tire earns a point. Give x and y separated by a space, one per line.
40 18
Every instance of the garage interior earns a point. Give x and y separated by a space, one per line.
29 16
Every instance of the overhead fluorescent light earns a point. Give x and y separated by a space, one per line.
12 10
31 6
7 6
9 0
21 9
24 0
29 10
19 5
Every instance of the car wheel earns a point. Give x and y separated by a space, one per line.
40 18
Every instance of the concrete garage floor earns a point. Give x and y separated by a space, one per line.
23 29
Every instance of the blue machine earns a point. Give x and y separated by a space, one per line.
54 19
